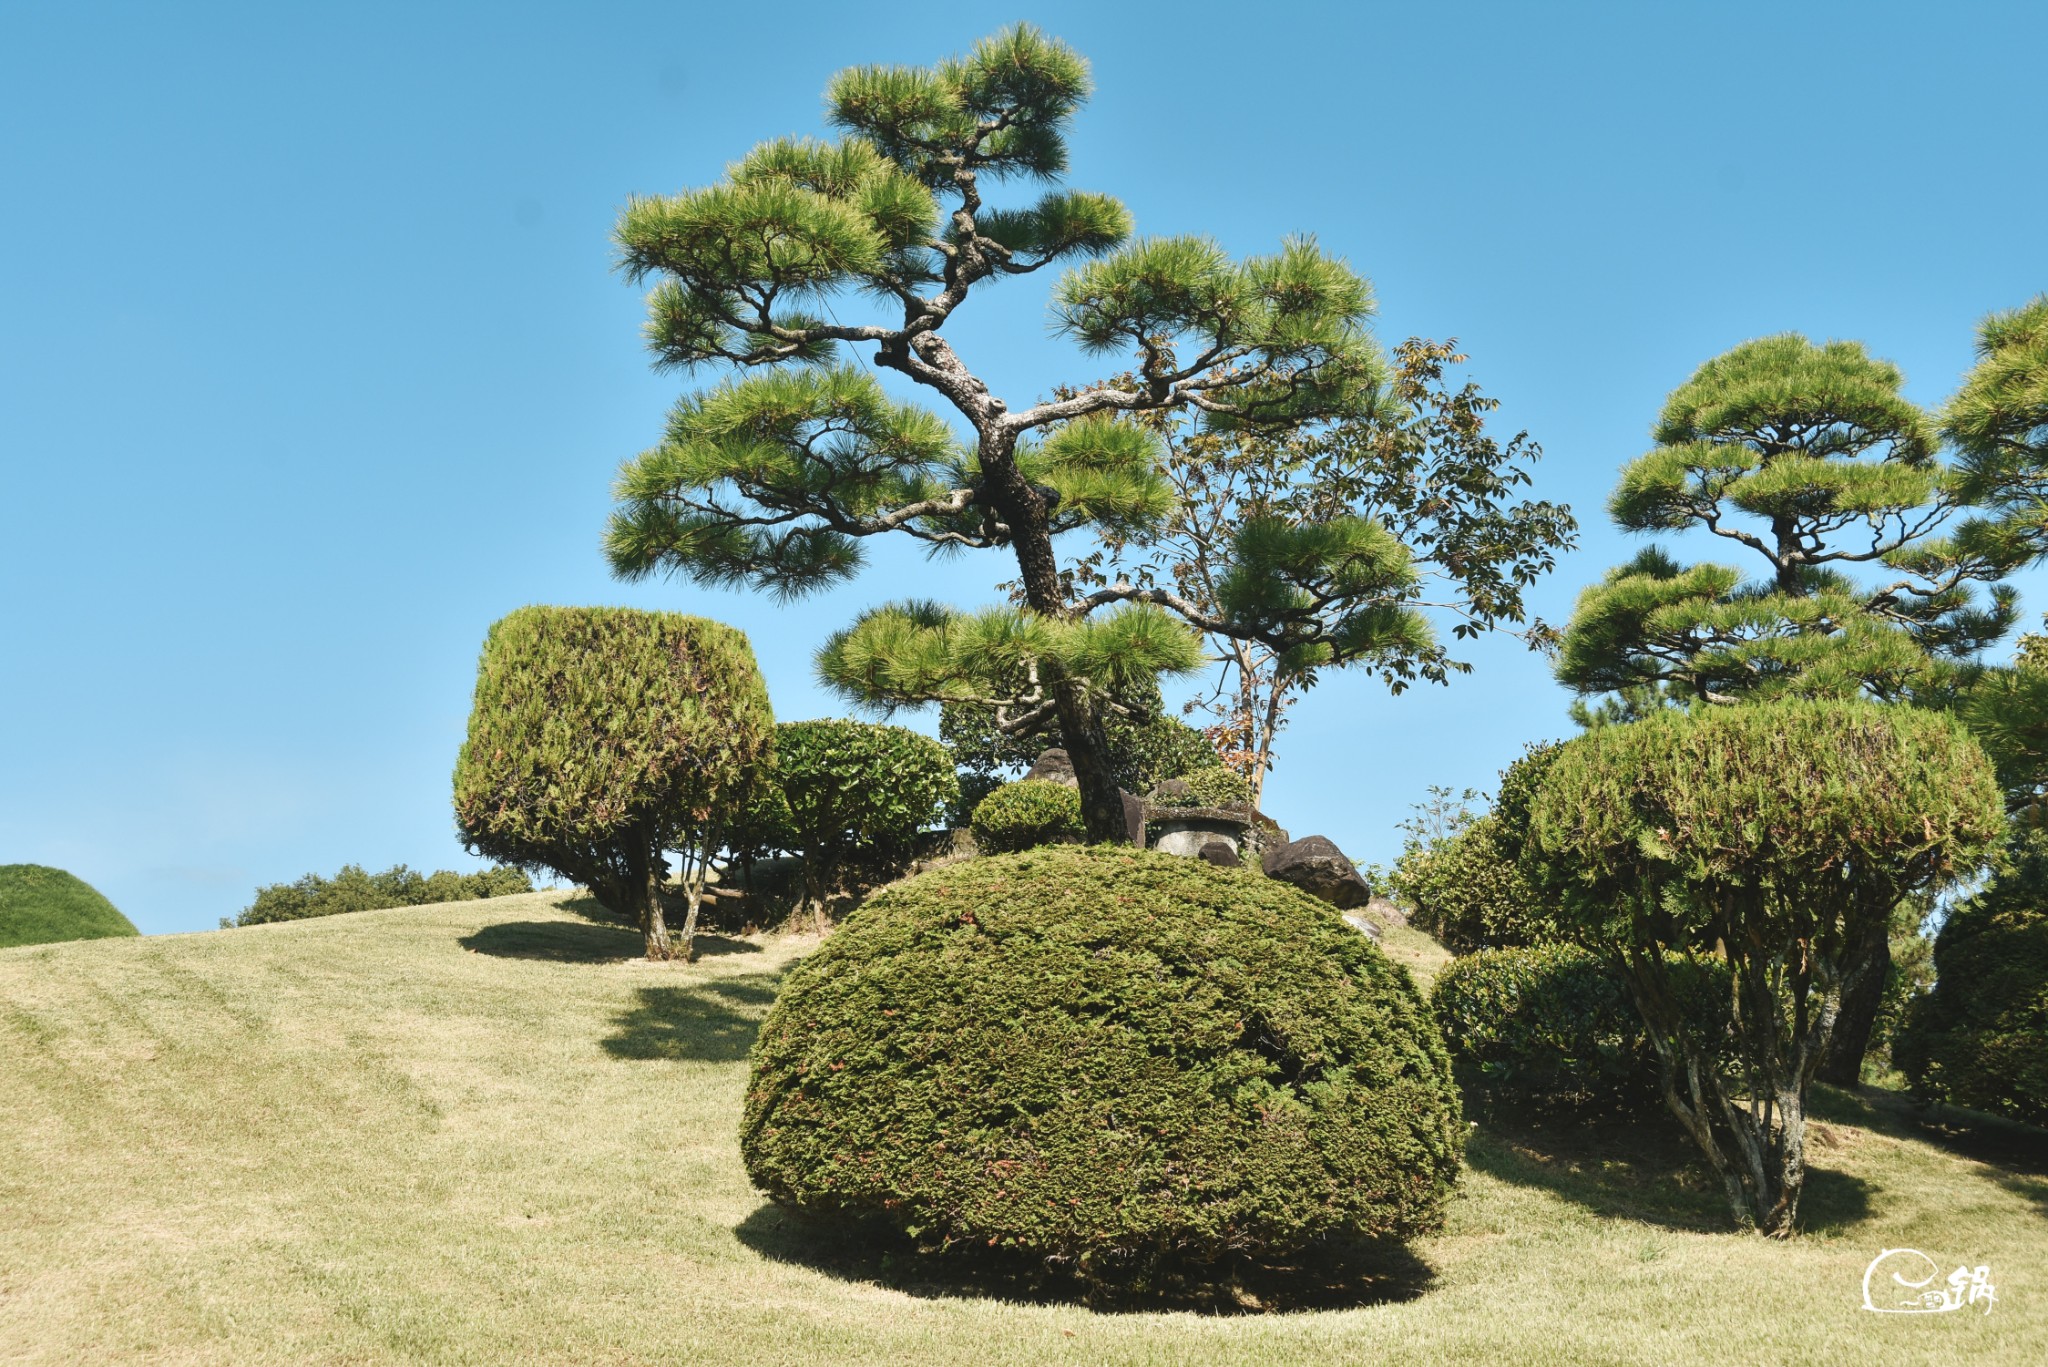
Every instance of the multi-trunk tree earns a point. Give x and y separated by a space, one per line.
875 242
1774 840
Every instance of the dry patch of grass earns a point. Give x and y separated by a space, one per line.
485 1133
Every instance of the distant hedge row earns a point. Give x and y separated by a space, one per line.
354 890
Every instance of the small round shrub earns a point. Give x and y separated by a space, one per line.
1018 816
1468 891
857 793
1980 1038
1211 786
40 905
1115 1060
1551 1030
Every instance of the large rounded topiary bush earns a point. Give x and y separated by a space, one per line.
1112 1059
1018 816
40 905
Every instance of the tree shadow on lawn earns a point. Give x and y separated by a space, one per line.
2013 1154
1649 1170
576 942
709 1022
1337 1276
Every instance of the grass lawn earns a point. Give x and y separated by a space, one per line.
481 1132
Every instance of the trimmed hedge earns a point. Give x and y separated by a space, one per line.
354 890
40 905
1018 816
1115 1060
1551 1030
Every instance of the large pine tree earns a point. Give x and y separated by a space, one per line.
875 242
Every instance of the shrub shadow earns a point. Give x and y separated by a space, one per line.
1335 1276
574 942
710 1022
1648 1171
569 942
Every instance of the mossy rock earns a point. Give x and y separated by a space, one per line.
41 905
1112 1059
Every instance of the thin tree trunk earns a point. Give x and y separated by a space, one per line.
694 872
644 886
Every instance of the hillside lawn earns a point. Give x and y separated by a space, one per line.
483 1132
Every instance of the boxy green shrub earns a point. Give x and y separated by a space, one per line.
857 794
1114 1060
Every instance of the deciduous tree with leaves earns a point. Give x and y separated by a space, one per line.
875 242
1420 464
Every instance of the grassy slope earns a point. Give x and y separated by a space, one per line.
470 1133
41 905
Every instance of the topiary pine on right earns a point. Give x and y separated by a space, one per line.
1124 1063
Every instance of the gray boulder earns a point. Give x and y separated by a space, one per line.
1319 868
1054 767
1221 853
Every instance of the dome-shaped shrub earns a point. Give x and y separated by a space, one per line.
41 905
1109 1058
1018 816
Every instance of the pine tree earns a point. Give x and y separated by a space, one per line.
773 478
1809 458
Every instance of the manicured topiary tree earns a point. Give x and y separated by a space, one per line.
1771 836
858 791
1980 1038
1108 1058
40 905
600 738
1018 816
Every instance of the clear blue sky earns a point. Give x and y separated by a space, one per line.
312 363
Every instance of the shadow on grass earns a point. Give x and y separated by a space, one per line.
573 942
711 1022
2014 1155
1650 1171
1337 1276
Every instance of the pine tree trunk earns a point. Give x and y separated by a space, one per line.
1027 513
1842 1065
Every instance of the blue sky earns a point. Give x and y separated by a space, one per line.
312 362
